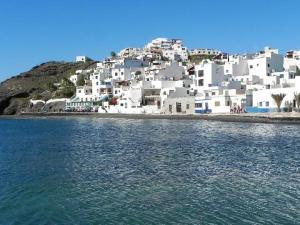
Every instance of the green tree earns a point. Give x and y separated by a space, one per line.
137 73
80 81
278 100
51 87
66 89
113 54
297 71
37 96
297 100
67 92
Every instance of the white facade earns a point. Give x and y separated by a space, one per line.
263 98
208 74
236 66
74 79
81 58
85 94
220 101
205 51
171 49
265 63
291 64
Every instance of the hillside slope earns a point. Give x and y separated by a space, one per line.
16 91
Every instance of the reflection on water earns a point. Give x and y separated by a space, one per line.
106 171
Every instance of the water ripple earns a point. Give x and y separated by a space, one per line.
105 171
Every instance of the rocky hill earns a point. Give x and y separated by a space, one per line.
38 83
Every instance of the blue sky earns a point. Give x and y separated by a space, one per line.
35 31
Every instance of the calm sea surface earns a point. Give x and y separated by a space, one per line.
106 171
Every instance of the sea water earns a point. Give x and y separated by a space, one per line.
125 171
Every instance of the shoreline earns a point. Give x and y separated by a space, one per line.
283 118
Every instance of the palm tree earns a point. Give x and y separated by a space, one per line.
278 99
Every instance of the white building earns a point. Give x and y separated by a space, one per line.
82 59
74 79
292 61
264 102
208 74
179 101
265 63
204 51
236 66
220 101
172 49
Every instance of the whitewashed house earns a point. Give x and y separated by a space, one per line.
264 63
220 101
82 59
208 74
179 101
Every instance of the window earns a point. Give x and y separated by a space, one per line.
268 65
97 83
121 104
260 104
251 67
79 91
213 93
200 73
116 92
200 82
257 65
267 104
178 107
116 74
188 92
228 103
187 106
217 103
122 73
198 105
170 108
206 94
96 77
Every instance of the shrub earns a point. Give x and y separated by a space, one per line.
80 81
